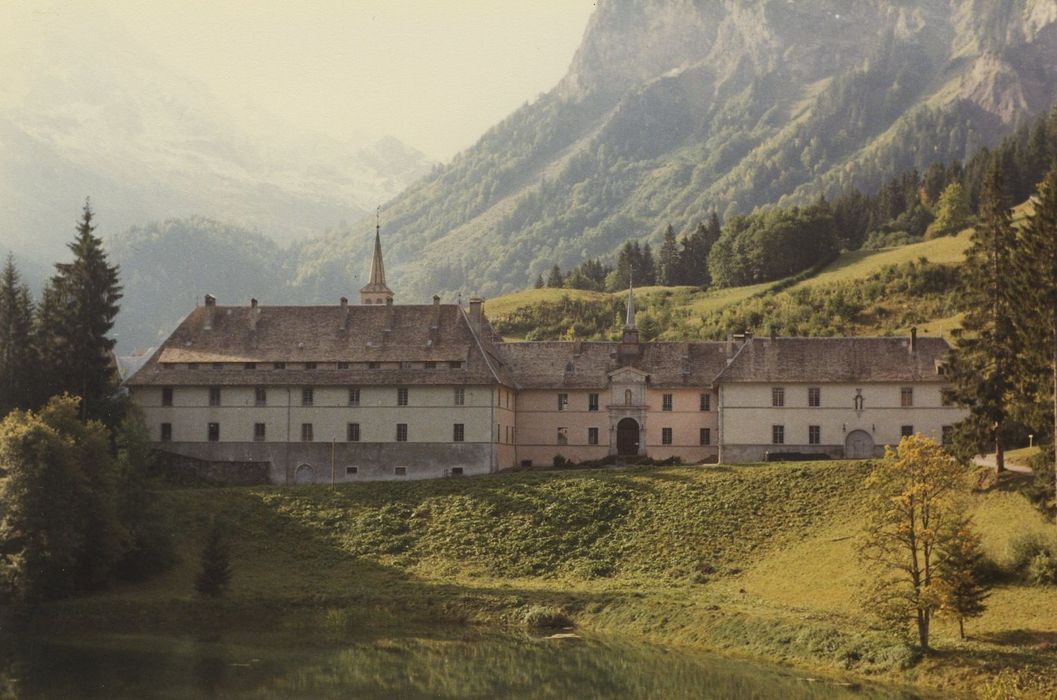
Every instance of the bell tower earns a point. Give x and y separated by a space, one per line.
376 291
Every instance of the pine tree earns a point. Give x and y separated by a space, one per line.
540 284
555 279
18 363
215 574
76 314
1037 277
961 591
981 368
668 261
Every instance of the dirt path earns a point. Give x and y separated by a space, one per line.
989 461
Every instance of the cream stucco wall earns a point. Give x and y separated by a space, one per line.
748 416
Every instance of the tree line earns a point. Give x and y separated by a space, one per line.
77 511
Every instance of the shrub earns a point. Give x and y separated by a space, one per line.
216 566
546 617
1023 548
1042 570
562 462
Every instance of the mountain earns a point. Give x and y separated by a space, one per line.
85 109
674 107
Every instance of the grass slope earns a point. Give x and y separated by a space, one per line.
751 560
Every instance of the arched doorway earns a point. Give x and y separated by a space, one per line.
304 475
858 445
628 437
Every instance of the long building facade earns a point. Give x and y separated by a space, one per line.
322 394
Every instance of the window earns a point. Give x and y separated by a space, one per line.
458 432
351 471
666 402
352 432
406 365
814 396
460 396
705 436
666 436
400 471
563 402
166 396
814 435
249 365
218 365
373 365
306 432
192 365
214 396
308 396
906 396
166 432
592 436
508 435
592 402
344 365
310 365
260 396
455 364
777 396
278 365
214 432
456 471
563 436
946 434
706 402
777 434
906 430
354 396
430 364
167 365
401 432
401 396
258 432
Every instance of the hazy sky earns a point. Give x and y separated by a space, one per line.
434 73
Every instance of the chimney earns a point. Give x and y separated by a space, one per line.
255 314
387 333
730 345
476 314
436 312
211 303
913 338
344 301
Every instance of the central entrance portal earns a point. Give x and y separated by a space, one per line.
628 437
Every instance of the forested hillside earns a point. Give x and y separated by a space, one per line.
672 109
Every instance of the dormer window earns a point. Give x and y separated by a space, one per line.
373 365
455 364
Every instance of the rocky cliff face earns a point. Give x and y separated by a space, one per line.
673 107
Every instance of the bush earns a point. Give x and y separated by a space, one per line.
546 617
215 574
1023 548
1042 570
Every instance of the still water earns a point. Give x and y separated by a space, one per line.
458 665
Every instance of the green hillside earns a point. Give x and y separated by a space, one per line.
689 312
752 560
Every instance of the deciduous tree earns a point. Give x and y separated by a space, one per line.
913 493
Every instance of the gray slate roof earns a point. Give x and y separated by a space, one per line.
886 359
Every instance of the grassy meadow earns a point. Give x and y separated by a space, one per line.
752 561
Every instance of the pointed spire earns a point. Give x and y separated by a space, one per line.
630 321
376 291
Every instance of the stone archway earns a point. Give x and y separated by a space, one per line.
304 474
628 436
858 445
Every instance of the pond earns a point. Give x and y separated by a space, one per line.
460 664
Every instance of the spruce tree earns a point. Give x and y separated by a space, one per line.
215 574
540 284
77 312
555 279
1038 285
668 260
961 591
18 363
981 367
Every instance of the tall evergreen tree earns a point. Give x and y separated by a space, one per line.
540 284
981 367
76 314
668 262
18 364
555 279
1038 284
